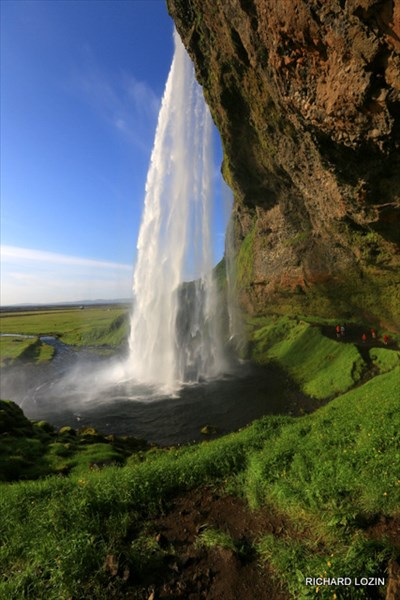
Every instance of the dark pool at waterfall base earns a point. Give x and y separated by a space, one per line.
66 392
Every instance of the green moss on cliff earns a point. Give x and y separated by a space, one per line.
369 296
372 295
245 260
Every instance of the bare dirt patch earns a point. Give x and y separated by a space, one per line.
191 571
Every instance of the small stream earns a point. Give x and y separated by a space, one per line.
67 356
75 389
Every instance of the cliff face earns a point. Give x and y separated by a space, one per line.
306 96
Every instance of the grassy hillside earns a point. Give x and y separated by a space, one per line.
92 326
26 349
331 478
31 450
321 366
331 473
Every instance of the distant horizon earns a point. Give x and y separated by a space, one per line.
71 303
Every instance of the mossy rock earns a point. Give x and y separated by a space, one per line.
44 426
209 430
90 435
88 431
13 420
67 431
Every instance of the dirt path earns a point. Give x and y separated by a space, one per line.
192 572
188 571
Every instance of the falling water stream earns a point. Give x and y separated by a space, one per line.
174 331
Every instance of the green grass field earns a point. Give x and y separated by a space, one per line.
333 474
322 367
92 326
328 472
26 349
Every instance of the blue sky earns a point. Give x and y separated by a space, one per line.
81 87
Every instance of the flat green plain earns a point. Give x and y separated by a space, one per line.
91 326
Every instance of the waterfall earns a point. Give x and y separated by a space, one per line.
174 334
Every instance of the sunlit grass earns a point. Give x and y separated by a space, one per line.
211 537
330 468
12 347
321 366
90 326
17 349
63 528
346 453
297 559
326 472
385 359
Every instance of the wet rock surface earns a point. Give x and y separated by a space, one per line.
306 96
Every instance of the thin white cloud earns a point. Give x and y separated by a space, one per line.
126 104
145 101
17 254
35 276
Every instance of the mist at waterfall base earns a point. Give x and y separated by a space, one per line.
175 377
73 391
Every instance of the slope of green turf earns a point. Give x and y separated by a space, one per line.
321 366
328 471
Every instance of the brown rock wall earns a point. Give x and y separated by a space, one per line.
306 96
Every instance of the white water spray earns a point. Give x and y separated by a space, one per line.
174 331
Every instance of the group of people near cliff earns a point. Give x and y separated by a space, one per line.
341 331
